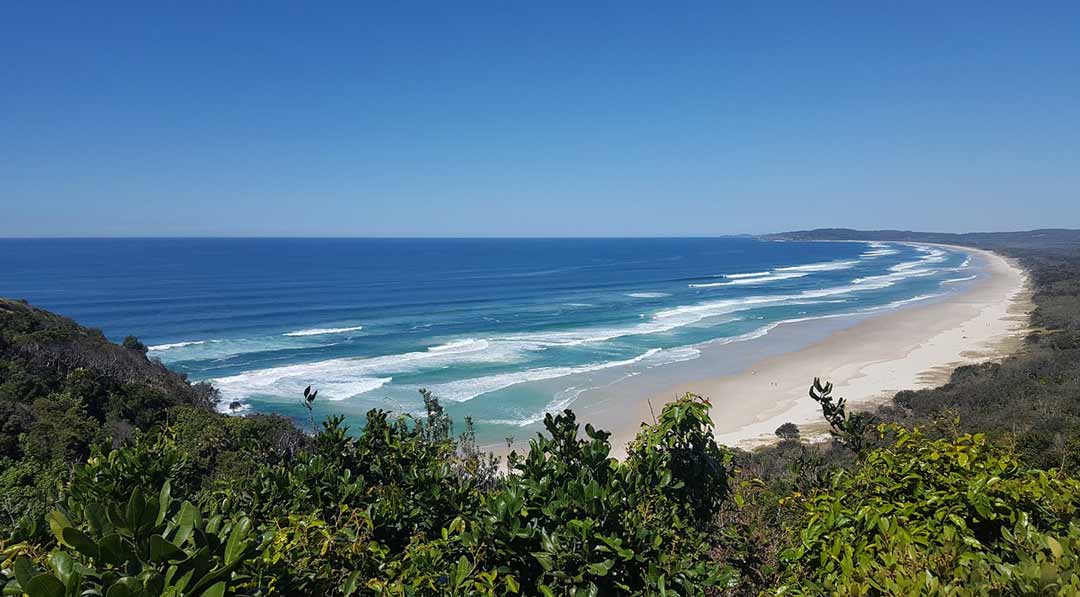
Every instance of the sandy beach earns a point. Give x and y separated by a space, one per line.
867 358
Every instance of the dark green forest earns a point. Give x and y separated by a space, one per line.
119 478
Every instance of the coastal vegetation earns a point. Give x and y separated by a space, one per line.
118 477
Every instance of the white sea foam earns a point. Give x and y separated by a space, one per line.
878 249
463 345
754 280
467 389
339 379
899 303
955 280
324 331
219 350
692 313
563 399
826 266
931 255
160 347
747 275
886 280
647 294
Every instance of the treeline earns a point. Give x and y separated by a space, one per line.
118 478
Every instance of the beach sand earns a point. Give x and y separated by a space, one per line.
763 383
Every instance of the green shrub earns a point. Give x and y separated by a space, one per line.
940 517
153 546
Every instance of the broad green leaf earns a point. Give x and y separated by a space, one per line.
62 565
44 585
24 570
351 584
601 568
135 507
1054 546
80 541
164 500
161 550
95 515
112 549
238 540
118 590
57 523
188 519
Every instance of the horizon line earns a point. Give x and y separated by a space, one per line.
509 237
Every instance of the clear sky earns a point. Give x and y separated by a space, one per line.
536 118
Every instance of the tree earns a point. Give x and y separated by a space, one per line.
134 344
788 430
847 429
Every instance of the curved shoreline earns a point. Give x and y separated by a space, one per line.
759 385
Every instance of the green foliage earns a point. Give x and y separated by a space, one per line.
402 508
28 489
151 546
62 429
848 429
788 431
938 517
134 344
573 518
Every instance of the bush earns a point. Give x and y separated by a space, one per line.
153 546
133 343
938 517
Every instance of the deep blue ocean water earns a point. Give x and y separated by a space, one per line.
501 329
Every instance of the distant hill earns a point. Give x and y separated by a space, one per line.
1031 239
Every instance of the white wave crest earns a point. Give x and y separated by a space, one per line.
826 266
692 313
324 331
564 398
647 294
467 389
754 280
878 249
747 275
900 303
160 347
339 379
955 280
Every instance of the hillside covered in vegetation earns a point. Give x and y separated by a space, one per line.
118 477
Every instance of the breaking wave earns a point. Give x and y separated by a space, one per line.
161 347
323 331
754 280
826 266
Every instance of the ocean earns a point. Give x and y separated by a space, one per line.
502 330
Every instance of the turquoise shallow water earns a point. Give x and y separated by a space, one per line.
502 330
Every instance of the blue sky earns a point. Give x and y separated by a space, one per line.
536 118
